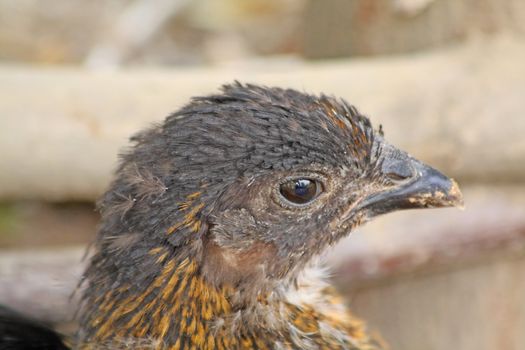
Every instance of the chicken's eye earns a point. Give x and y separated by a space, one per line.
300 191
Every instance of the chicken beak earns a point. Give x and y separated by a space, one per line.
428 188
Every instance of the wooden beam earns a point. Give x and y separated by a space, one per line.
411 243
460 110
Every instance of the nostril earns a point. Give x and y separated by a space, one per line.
398 177
398 170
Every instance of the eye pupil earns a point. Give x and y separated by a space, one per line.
301 187
300 191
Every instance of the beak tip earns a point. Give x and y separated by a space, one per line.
434 190
455 196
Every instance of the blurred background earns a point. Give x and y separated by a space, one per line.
445 78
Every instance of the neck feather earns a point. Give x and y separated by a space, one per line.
177 307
